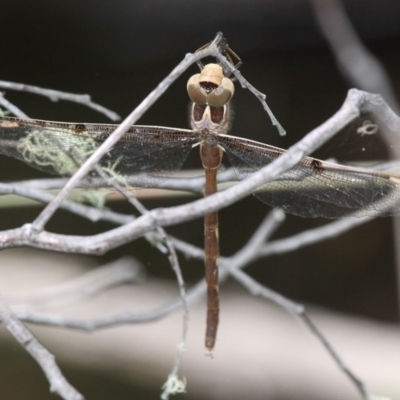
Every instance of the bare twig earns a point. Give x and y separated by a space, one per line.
11 107
312 236
187 180
361 68
251 252
297 309
241 259
56 95
91 213
42 219
356 103
126 269
280 246
174 384
230 265
107 321
360 385
46 360
247 85
261 236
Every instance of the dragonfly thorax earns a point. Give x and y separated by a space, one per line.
205 118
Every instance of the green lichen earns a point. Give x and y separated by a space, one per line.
64 154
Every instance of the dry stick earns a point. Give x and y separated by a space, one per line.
178 385
357 64
228 265
248 254
38 222
301 150
356 103
187 181
173 384
193 184
43 218
173 257
362 69
126 269
265 230
312 236
246 85
280 246
297 309
91 213
252 251
231 265
360 385
46 360
306 238
55 95
275 247
11 107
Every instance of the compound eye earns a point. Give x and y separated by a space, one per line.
222 94
196 93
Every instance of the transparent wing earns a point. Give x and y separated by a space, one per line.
151 154
315 188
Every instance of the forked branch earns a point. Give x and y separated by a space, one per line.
356 104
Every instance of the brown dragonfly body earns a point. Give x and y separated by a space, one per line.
211 120
313 188
211 92
211 156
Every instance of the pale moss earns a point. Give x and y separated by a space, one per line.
174 385
96 197
44 149
40 149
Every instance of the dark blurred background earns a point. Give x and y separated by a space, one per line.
118 51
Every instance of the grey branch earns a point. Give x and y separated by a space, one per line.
357 64
91 213
212 50
231 266
162 241
56 95
123 270
356 103
11 107
46 360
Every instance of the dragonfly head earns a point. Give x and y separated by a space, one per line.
210 87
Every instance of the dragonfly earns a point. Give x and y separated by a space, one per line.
313 188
